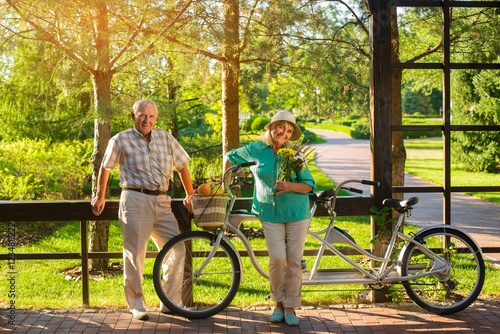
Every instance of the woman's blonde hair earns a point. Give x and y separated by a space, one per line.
268 139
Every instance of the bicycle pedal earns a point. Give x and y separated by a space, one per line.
363 294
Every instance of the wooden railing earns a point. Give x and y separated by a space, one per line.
40 211
28 211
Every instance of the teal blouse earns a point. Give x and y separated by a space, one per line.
282 208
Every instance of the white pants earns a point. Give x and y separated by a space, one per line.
142 216
285 243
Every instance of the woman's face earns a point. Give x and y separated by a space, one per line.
281 133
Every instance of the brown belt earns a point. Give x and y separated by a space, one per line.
147 191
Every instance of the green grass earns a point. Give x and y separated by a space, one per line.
425 160
332 127
358 128
425 143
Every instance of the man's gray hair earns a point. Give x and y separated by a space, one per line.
141 104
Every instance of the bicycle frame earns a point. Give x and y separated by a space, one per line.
382 276
453 279
371 276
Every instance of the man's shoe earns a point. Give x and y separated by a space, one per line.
291 319
277 316
140 313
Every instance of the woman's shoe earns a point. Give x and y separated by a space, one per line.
277 316
291 319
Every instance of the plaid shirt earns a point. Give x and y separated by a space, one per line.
142 164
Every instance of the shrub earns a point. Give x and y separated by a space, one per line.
247 125
206 155
259 123
477 151
39 169
361 131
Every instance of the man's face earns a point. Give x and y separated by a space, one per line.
145 119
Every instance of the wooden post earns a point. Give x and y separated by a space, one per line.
446 115
184 220
380 111
85 262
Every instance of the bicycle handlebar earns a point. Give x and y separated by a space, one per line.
354 190
247 164
333 191
371 183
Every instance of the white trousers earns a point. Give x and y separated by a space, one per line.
143 216
285 243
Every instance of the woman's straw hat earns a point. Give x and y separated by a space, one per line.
284 115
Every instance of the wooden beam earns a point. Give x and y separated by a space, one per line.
25 211
380 98
380 112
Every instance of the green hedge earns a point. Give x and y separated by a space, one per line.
39 169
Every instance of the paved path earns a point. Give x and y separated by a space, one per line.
478 318
345 158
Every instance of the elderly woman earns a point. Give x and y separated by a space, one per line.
284 215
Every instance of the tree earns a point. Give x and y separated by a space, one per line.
477 103
103 37
37 99
236 32
473 39
414 102
226 33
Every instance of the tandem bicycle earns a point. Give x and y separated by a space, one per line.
440 267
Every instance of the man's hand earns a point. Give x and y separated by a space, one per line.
188 203
98 202
98 205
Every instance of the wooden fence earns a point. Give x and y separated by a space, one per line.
40 211
50 211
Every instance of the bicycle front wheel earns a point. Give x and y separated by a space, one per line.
446 292
189 293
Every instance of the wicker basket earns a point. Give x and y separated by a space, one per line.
210 210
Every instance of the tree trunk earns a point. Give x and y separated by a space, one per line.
99 230
398 147
176 185
101 78
230 73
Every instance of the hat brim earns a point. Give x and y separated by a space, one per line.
297 133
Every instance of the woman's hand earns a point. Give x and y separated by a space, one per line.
283 186
286 186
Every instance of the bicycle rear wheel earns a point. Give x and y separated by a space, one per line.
197 296
454 290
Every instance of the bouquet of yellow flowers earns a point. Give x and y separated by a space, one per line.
292 160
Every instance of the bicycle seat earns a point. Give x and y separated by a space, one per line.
397 203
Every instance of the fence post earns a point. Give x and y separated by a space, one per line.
184 221
85 262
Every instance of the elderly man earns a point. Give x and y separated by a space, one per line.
146 157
